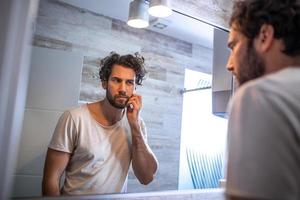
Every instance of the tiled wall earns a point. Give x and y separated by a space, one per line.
50 92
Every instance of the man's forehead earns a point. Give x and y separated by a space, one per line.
234 34
122 68
123 72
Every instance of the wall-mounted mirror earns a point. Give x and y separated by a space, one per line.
70 38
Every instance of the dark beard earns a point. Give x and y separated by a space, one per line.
251 65
112 100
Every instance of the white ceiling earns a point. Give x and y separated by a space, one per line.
179 26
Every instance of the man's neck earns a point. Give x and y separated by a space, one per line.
110 113
280 62
276 60
104 113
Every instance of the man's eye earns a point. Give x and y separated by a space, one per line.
130 82
231 46
116 80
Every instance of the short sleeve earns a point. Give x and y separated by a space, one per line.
64 136
260 162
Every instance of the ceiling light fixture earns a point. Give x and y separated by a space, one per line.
160 8
138 14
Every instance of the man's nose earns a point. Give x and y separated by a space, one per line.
229 65
123 93
122 88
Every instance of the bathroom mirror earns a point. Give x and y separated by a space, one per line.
71 36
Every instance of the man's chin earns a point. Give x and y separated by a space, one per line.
118 106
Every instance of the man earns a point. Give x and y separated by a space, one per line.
264 117
95 143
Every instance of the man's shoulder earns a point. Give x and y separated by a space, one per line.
252 93
270 89
266 84
246 90
281 78
77 112
275 83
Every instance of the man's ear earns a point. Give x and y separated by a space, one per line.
265 38
104 84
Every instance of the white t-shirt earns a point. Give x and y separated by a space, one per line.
264 138
100 155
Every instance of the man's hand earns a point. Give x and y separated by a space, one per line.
134 106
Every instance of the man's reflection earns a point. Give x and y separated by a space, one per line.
95 143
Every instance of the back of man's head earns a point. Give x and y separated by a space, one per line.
284 15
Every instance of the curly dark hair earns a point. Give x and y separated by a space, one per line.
283 15
135 62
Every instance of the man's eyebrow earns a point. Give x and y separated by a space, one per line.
118 78
115 77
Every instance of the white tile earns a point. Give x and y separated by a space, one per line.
54 80
38 127
27 186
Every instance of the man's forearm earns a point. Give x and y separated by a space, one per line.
50 187
144 163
